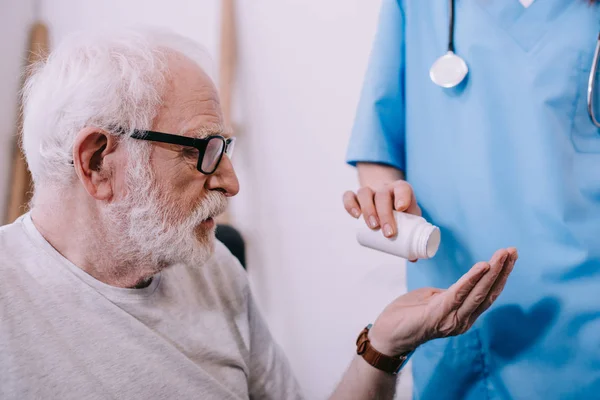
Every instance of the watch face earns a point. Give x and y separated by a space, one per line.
405 361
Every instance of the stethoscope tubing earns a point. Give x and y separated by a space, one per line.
592 85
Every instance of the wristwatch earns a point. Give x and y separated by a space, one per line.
391 365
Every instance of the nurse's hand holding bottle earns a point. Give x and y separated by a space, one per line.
383 191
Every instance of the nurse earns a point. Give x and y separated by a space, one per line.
508 157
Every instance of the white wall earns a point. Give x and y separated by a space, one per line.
15 16
302 64
301 68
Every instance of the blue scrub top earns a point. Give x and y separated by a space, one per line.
510 158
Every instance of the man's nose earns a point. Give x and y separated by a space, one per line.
224 178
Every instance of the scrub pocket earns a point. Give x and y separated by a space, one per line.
451 369
584 134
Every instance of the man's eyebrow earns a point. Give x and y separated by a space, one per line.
207 131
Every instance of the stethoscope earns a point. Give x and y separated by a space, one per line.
450 69
592 85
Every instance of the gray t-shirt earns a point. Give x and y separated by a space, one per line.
193 333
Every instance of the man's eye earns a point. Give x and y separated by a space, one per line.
190 153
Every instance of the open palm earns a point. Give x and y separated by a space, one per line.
429 313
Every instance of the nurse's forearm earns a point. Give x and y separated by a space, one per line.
377 175
364 382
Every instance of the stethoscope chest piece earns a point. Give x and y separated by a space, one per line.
449 70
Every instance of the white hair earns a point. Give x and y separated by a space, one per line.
105 80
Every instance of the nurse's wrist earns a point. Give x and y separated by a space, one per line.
377 175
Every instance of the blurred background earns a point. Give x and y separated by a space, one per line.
295 72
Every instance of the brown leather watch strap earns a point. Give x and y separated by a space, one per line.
391 365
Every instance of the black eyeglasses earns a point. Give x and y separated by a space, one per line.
208 151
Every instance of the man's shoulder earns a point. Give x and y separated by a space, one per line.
222 255
225 269
221 278
12 238
15 251
11 227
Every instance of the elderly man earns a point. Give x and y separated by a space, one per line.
113 285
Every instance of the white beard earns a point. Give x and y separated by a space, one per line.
148 227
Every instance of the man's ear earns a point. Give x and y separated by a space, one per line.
92 152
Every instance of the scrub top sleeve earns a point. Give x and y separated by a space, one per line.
378 132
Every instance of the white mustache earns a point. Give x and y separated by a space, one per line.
212 205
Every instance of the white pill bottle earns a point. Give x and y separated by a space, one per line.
416 238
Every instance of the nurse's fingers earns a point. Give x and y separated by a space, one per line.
498 285
351 204
402 195
365 196
404 198
384 204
